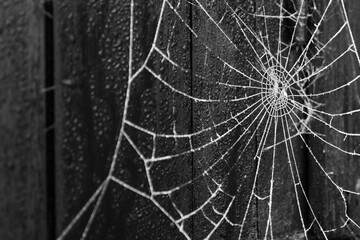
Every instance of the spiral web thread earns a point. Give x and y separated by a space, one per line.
274 100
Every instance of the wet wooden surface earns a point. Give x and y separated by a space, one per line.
212 55
93 64
344 169
91 75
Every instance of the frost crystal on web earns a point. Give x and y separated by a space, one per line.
252 134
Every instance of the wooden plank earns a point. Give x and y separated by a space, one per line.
326 200
93 41
93 69
22 123
279 167
229 159
353 8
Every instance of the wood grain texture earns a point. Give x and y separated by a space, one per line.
285 219
93 69
92 72
354 101
343 169
220 43
22 122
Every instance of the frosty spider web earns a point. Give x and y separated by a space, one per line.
257 120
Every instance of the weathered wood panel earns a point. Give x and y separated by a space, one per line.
93 41
92 75
279 167
92 71
229 159
327 201
353 100
22 121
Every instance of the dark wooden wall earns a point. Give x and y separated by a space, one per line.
63 74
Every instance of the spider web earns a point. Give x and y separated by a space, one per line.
240 127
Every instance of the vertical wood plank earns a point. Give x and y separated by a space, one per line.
22 122
354 100
228 160
93 69
326 200
286 220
